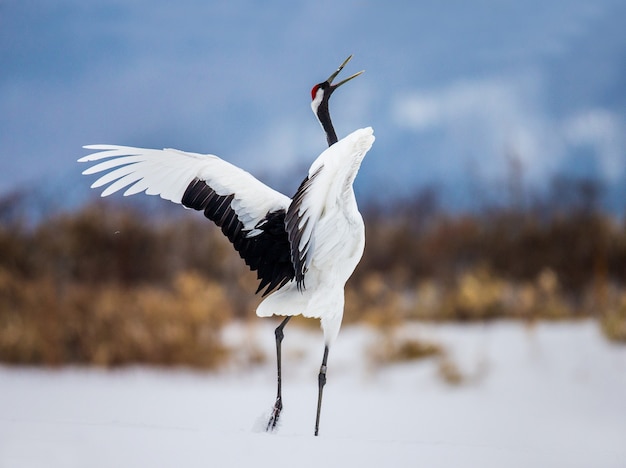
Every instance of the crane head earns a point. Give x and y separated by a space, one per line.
321 92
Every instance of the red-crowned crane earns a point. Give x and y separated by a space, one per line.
303 249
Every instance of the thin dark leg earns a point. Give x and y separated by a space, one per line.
278 405
321 381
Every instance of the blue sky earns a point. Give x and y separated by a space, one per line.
454 90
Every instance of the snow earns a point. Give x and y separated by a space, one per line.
550 395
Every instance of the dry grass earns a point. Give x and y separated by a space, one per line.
109 285
478 294
394 346
613 321
449 372
41 323
393 349
45 322
374 301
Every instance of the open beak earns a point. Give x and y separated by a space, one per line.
334 75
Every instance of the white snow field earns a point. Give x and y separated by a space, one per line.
552 395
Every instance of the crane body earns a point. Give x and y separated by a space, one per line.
303 248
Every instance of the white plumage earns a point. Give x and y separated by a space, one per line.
169 172
333 233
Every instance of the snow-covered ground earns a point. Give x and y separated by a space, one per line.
553 395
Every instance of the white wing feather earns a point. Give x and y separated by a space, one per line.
331 176
169 172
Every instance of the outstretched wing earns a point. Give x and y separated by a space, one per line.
250 214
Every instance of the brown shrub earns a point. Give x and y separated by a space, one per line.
613 320
109 325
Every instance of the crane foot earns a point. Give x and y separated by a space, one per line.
273 421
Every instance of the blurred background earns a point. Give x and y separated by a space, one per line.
495 188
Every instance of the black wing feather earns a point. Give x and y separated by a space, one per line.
298 257
268 252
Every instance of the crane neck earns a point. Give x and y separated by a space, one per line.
323 115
